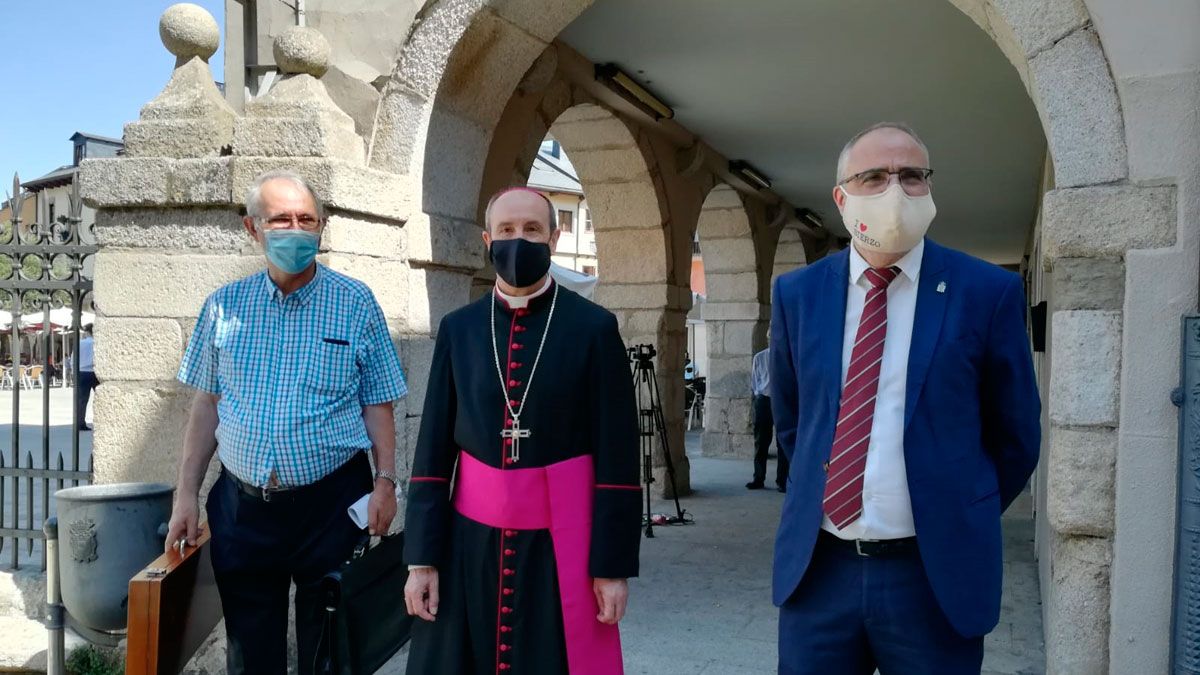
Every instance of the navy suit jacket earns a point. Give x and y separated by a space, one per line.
971 419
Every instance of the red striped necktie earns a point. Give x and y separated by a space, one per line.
848 459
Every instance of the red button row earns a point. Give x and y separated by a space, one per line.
507 592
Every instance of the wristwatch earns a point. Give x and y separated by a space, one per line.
389 476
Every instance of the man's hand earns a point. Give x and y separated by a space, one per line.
381 508
185 521
421 593
611 597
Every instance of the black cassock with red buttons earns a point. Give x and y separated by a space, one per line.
500 609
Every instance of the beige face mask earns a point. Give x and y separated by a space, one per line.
889 222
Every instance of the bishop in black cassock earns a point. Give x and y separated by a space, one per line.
529 522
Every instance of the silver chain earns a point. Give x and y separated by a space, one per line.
516 414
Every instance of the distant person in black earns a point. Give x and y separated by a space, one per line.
521 566
764 426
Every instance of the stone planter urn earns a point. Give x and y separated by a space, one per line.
106 535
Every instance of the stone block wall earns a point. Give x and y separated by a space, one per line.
170 232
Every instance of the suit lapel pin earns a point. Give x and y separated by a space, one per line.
941 287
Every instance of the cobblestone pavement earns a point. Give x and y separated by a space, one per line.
703 607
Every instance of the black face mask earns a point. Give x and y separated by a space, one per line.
519 262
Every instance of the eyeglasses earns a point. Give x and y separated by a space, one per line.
913 180
283 222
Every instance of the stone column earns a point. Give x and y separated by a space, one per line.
168 234
734 318
1086 234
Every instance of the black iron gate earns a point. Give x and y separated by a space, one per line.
44 285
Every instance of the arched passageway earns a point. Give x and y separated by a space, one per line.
476 83
469 64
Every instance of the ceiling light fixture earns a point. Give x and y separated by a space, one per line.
810 218
628 88
742 169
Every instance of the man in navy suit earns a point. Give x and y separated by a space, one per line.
904 396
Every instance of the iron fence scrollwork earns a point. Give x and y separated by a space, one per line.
43 270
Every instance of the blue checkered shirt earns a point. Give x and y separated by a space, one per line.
293 374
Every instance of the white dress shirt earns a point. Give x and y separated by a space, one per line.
887 509
87 354
760 373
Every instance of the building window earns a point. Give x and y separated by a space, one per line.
50 212
565 221
589 270
587 220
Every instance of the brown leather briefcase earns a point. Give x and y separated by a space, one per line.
173 607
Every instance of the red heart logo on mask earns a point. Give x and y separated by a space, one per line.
862 227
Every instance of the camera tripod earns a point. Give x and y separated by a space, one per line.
651 425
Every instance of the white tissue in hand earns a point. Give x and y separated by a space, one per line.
358 511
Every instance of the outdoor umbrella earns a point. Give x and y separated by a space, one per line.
59 318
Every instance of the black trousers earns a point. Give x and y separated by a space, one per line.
764 432
83 393
260 547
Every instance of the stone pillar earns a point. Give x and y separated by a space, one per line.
734 330
1086 232
734 318
170 233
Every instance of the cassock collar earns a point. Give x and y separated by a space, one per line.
533 301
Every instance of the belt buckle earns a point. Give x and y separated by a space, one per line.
859 549
267 490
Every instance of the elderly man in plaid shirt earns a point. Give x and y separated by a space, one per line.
295 376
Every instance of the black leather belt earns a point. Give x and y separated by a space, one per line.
872 548
265 494
358 462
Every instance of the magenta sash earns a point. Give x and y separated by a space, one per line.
556 498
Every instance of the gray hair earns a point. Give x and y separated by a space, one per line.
254 205
899 126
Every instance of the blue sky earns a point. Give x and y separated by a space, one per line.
79 65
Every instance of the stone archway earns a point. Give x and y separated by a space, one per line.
789 253
464 60
634 252
623 199
407 223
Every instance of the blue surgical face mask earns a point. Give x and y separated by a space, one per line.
291 250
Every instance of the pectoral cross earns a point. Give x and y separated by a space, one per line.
515 434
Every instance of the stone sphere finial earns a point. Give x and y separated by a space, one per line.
301 49
188 30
